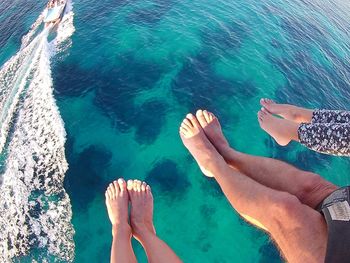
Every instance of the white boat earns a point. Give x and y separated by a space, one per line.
55 10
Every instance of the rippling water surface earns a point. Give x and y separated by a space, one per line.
135 68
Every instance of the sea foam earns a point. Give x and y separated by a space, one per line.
35 222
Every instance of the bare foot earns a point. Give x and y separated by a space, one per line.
287 111
283 131
212 129
141 215
117 200
195 140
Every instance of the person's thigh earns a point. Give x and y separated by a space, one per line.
299 231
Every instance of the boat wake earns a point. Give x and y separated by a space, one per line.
35 222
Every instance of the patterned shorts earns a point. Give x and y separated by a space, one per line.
328 132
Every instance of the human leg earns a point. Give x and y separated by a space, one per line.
308 187
330 116
298 230
328 138
117 200
142 224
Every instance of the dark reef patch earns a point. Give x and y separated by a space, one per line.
304 159
211 187
86 171
198 73
151 15
115 97
307 160
269 254
166 177
197 76
149 121
71 81
207 211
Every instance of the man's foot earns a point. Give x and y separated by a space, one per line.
195 140
117 200
283 131
287 111
212 129
141 215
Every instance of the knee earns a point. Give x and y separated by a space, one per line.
314 189
285 208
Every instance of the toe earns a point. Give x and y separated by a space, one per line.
186 126
265 112
200 117
130 185
116 187
135 185
193 120
183 131
149 191
143 186
187 123
138 186
207 116
110 191
122 184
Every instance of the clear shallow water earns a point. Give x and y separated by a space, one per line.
136 68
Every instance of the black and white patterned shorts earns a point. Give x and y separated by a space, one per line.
328 132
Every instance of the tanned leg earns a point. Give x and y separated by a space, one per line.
299 231
308 187
142 224
117 200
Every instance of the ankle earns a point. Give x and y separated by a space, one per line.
142 230
121 229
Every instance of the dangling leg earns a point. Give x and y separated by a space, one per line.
117 200
142 224
299 231
308 187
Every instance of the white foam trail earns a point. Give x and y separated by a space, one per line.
34 207
33 29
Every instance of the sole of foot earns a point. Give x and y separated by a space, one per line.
276 127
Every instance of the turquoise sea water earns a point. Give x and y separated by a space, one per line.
135 68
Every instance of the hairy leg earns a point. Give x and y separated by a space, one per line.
142 224
117 200
298 230
308 187
287 111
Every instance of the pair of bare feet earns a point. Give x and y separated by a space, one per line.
202 136
118 196
284 129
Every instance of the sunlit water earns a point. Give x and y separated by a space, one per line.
133 69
